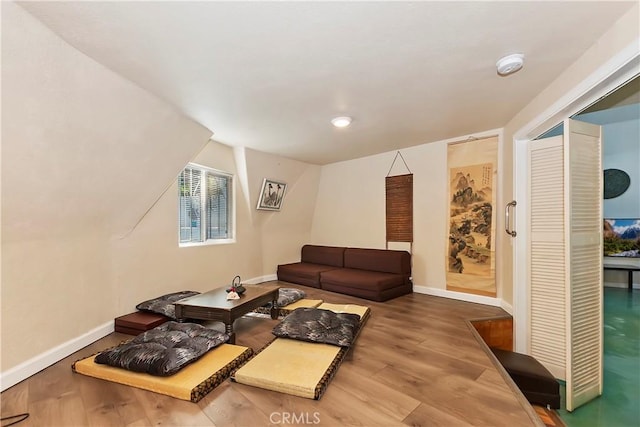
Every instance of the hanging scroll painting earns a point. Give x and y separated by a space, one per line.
472 168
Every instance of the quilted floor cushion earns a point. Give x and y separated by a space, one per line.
288 296
295 367
283 311
321 326
163 350
190 383
165 304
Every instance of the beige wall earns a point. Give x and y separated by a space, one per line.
148 262
351 206
85 155
282 233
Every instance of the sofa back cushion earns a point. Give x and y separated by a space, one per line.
386 261
326 255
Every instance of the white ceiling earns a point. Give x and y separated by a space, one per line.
271 75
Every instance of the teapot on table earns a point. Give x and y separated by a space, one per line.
236 286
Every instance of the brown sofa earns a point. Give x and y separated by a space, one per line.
374 274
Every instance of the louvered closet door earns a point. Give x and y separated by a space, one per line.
565 258
547 264
583 198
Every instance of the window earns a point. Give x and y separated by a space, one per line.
205 206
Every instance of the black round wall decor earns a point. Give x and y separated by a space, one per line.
616 182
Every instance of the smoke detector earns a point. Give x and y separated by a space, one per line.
510 64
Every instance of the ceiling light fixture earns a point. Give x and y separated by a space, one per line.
341 122
510 64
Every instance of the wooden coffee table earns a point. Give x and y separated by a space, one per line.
214 305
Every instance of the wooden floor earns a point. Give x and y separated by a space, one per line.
416 363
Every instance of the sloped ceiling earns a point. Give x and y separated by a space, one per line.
270 75
83 149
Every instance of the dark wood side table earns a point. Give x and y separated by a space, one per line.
624 267
214 305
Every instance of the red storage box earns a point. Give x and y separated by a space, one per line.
138 322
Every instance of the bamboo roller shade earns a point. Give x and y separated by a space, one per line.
399 206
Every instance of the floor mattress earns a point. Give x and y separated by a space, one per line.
295 367
192 382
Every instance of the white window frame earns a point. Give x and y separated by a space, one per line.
203 225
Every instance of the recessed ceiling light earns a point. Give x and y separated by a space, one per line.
510 64
341 122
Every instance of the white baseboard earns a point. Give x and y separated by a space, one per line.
260 279
479 299
34 365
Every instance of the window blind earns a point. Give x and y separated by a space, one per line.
205 206
217 207
190 182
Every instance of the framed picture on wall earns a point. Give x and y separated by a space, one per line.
621 237
271 195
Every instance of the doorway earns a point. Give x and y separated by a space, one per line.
587 97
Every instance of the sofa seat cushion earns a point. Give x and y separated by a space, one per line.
305 269
354 278
303 272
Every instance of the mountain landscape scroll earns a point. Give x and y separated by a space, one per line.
472 172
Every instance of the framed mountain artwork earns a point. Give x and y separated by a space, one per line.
621 237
